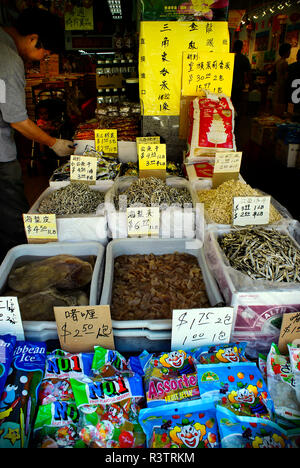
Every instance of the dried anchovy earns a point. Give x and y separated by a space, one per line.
151 191
75 198
262 254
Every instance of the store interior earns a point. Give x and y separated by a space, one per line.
126 91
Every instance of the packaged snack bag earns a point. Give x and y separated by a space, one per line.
281 385
56 426
60 367
239 387
169 377
7 346
262 365
110 363
238 431
184 425
225 353
294 354
20 396
109 411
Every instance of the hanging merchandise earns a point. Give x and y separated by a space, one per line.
193 10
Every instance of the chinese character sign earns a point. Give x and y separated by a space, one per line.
143 221
251 210
152 156
160 59
83 168
10 317
203 71
40 226
106 140
79 18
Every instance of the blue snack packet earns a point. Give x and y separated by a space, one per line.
222 353
20 396
251 432
189 424
64 365
239 386
108 363
7 346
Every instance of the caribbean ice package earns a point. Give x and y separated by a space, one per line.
7 346
250 432
20 397
189 424
169 377
240 387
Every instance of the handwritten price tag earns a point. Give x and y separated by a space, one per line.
228 162
152 156
83 169
40 227
106 140
251 210
81 328
290 330
148 140
200 327
10 318
143 221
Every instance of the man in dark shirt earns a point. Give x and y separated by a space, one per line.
35 35
241 75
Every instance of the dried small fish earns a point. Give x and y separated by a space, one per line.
152 191
75 198
265 254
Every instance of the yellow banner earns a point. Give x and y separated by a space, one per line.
202 71
160 59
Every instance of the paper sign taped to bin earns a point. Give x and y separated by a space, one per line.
149 139
152 156
228 162
106 140
81 328
143 221
10 317
290 331
251 210
40 228
200 327
83 168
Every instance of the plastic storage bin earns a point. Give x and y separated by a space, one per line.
23 254
139 334
90 227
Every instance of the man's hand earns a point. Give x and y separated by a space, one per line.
63 147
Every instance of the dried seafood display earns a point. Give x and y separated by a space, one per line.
75 198
218 202
61 280
151 286
152 191
262 254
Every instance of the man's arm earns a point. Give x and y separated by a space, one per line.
31 131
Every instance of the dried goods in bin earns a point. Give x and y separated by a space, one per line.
151 286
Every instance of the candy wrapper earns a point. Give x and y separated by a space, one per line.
190 424
262 365
294 353
60 367
20 396
7 346
250 432
110 364
240 387
109 411
281 384
225 353
56 426
169 377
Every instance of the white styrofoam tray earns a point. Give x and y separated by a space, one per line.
119 247
90 227
175 222
26 253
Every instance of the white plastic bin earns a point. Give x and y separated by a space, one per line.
26 253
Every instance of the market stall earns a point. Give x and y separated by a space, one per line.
157 300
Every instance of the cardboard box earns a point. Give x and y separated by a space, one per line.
113 81
288 154
263 135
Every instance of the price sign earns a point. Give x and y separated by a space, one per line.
81 328
228 162
251 210
199 327
152 156
40 228
79 18
149 140
83 169
290 331
106 140
10 317
143 221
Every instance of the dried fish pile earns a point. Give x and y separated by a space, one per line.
151 286
218 202
151 191
75 198
262 254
